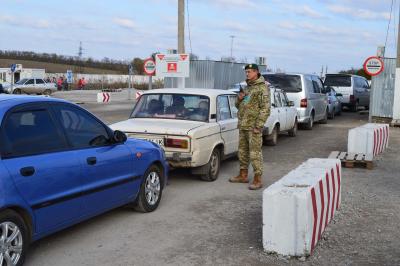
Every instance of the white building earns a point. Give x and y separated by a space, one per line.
7 76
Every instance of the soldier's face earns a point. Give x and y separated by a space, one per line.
251 74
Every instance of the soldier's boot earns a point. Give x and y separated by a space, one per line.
241 178
257 183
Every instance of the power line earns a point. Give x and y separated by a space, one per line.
388 27
188 24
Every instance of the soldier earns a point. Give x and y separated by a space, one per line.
254 109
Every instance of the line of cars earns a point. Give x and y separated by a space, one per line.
73 166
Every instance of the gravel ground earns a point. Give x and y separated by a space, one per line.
200 223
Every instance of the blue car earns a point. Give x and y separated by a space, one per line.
61 165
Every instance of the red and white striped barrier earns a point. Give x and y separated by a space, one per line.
103 97
371 139
298 208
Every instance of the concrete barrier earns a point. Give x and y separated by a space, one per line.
298 207
370 139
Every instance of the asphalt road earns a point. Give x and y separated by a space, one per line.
219 223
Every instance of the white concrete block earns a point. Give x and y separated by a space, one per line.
298 207
371 139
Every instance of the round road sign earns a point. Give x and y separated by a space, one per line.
373 66
149 66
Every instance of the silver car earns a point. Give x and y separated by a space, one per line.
307 93
31 86
355 89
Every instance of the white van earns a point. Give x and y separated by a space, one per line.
355 89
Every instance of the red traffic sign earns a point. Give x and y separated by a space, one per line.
149 66
373 66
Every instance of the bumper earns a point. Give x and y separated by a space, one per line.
304 119
179 159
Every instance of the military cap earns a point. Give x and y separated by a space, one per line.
251 66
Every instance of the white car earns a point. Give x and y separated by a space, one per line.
283 117
196 127
31 86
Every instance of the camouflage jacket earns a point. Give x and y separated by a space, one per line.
255 107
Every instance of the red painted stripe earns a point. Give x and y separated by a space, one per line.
338 179
104 97
334 193
321 216
329 199
387 136
315 216
374 149
381 139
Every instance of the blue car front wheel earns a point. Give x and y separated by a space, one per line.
150 192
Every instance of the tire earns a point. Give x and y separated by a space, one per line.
332 115
17 91
309 125
212 166
272 139
325 120
20 241
47 92
150 190
339 112
293 131
354 108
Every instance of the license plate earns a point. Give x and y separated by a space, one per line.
157 141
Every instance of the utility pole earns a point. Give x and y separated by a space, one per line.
181 36
396 101
232 37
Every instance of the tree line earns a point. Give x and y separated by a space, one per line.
106 63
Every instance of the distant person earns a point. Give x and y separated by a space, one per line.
59 83
80 84
65 85
83 83
48 80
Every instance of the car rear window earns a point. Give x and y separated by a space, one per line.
288 83
338 80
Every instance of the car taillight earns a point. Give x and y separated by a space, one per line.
352 99
303 103
176 143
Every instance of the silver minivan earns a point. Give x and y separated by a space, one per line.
355 89
307 93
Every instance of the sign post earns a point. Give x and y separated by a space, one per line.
130 71
13 67
149 67
69 78
173 65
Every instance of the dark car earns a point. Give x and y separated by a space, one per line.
61 165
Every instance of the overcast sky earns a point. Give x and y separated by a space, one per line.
295 35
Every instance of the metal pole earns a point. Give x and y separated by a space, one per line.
150 82
181 35
232 37
129 87
396 101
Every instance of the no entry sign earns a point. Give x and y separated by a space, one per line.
149 66
373 66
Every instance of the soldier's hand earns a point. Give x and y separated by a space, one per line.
241 95
257 130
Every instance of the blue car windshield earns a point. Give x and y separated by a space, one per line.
172 106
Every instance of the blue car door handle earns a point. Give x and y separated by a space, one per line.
27 171
91 160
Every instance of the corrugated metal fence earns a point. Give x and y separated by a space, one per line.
382 90
211 75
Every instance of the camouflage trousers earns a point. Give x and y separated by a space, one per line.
250 145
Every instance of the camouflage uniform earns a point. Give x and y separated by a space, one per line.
253 112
